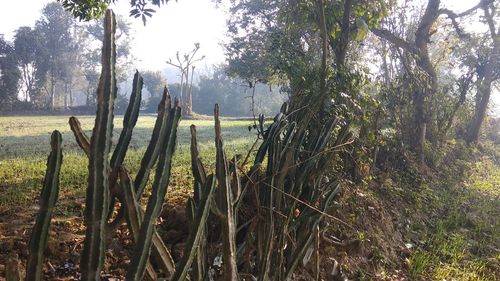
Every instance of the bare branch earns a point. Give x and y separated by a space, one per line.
395 40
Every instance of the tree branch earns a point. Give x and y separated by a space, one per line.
395 40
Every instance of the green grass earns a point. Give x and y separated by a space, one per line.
24 147
464 240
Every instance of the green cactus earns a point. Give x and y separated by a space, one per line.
129 121
97 200
201 264
196 166
134 213
160 252
154 146
227 202
285 189
155 202
81 138
196 233
48 199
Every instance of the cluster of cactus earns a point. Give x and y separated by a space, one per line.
109 180
274 207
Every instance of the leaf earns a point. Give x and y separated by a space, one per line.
361 30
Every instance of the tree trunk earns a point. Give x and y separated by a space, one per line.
484 90
484 87
52 92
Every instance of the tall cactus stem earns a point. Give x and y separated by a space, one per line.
129 121
154 146
227 202
97 200
48 199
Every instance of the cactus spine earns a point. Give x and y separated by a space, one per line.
48 198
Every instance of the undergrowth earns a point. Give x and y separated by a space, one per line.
461 198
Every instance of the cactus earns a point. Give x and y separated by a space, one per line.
154 146
81 138
160 252
97 200
284 190
196 166
200 266
48 198
129 121
155 202
197 229
134 213
226 204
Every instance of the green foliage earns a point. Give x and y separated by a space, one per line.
154 82
94 9
9 74
86 9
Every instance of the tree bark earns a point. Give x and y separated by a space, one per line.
484 87
423 115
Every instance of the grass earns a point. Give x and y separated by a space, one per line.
463 242
24 146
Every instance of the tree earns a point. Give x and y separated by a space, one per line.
94 9
154 82
27 45
9 74
186 68
91 60
487 70
56 60
293 43
234 96
424 76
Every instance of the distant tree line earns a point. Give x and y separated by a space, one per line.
55 65
234 95
45 66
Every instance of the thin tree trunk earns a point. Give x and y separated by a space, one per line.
484 87
475 126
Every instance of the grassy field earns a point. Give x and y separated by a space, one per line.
454 228
24 146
